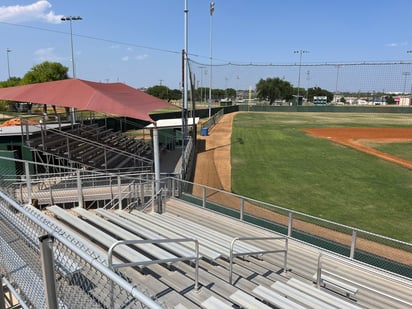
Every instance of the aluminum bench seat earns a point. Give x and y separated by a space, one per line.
213 235
120 232
216 250
96 234
247 301
176 248
164 230
299 296
215 303
326 297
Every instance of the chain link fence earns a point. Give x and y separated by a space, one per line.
75 275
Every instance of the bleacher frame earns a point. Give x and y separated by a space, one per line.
257 268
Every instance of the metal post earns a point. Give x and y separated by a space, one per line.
290 224
204 197
242 207
319 271
119 187
2 295
353 245
8 50
49 276
79 189
212 10
156 155
28 181
141 186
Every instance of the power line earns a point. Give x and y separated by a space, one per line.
225 62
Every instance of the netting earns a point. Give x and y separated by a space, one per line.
356 78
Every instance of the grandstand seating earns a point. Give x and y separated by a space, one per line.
94 146
260 282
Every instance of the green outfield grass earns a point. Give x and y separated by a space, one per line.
273 160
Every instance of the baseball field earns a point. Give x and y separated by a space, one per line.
353 169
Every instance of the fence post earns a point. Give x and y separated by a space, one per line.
28 181
49 276
204 197
119 187
153 196
290 224
242 207
141 187
79 189
353 245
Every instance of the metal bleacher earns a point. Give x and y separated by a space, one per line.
184 256
92 146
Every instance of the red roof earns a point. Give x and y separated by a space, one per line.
111 98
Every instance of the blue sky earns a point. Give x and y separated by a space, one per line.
139 42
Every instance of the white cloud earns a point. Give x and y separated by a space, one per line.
38 11
47 54
141 57
397 44
125 58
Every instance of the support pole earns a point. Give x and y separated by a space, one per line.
28 181
49 276
79 189
353 245
156 155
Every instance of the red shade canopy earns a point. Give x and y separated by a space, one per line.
111 98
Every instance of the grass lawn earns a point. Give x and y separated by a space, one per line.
273 160
401 150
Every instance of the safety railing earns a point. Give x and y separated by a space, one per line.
363 246
49 267
234 254
194 258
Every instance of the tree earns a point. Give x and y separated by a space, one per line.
274 89
12 81
390 100
45 72
319 92
164 93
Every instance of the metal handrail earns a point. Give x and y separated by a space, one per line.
84 255
232 255
156 241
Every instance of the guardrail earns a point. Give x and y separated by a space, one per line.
157 241
27 228
233 254
356 244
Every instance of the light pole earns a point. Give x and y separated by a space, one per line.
337 81
406 74
8 61
70 19
201 83
212 10
300 52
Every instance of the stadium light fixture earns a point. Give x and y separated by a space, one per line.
212 10
70 19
